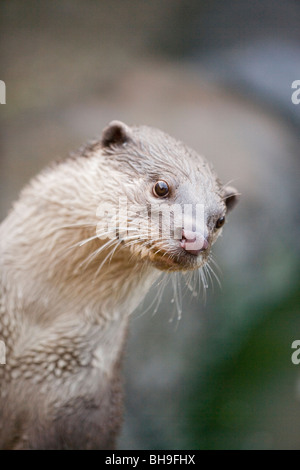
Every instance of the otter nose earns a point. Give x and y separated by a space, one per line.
193 242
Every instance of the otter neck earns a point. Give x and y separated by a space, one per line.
113 282
93 283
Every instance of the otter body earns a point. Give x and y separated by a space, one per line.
66 290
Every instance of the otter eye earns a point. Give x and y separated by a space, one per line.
220 222
161 189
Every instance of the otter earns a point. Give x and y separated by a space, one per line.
70 279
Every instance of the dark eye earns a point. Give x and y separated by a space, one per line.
161 189
220 222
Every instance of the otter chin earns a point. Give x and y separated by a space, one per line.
74 265
178 260
179 263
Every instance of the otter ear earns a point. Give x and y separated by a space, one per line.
231 197
116 133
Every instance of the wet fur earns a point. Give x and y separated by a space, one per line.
64 320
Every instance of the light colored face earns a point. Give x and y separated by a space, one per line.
171 212
176 221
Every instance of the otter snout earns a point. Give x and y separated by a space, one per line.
193 242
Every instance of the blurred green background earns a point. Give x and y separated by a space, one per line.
218 76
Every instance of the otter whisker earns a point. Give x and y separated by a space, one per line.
83 242
161 284
92 255
208 276
177 295
189 278
203 282
110 254
213 273
113 250
212 260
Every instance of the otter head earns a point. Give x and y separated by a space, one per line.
169 206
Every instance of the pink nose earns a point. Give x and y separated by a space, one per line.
193 242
